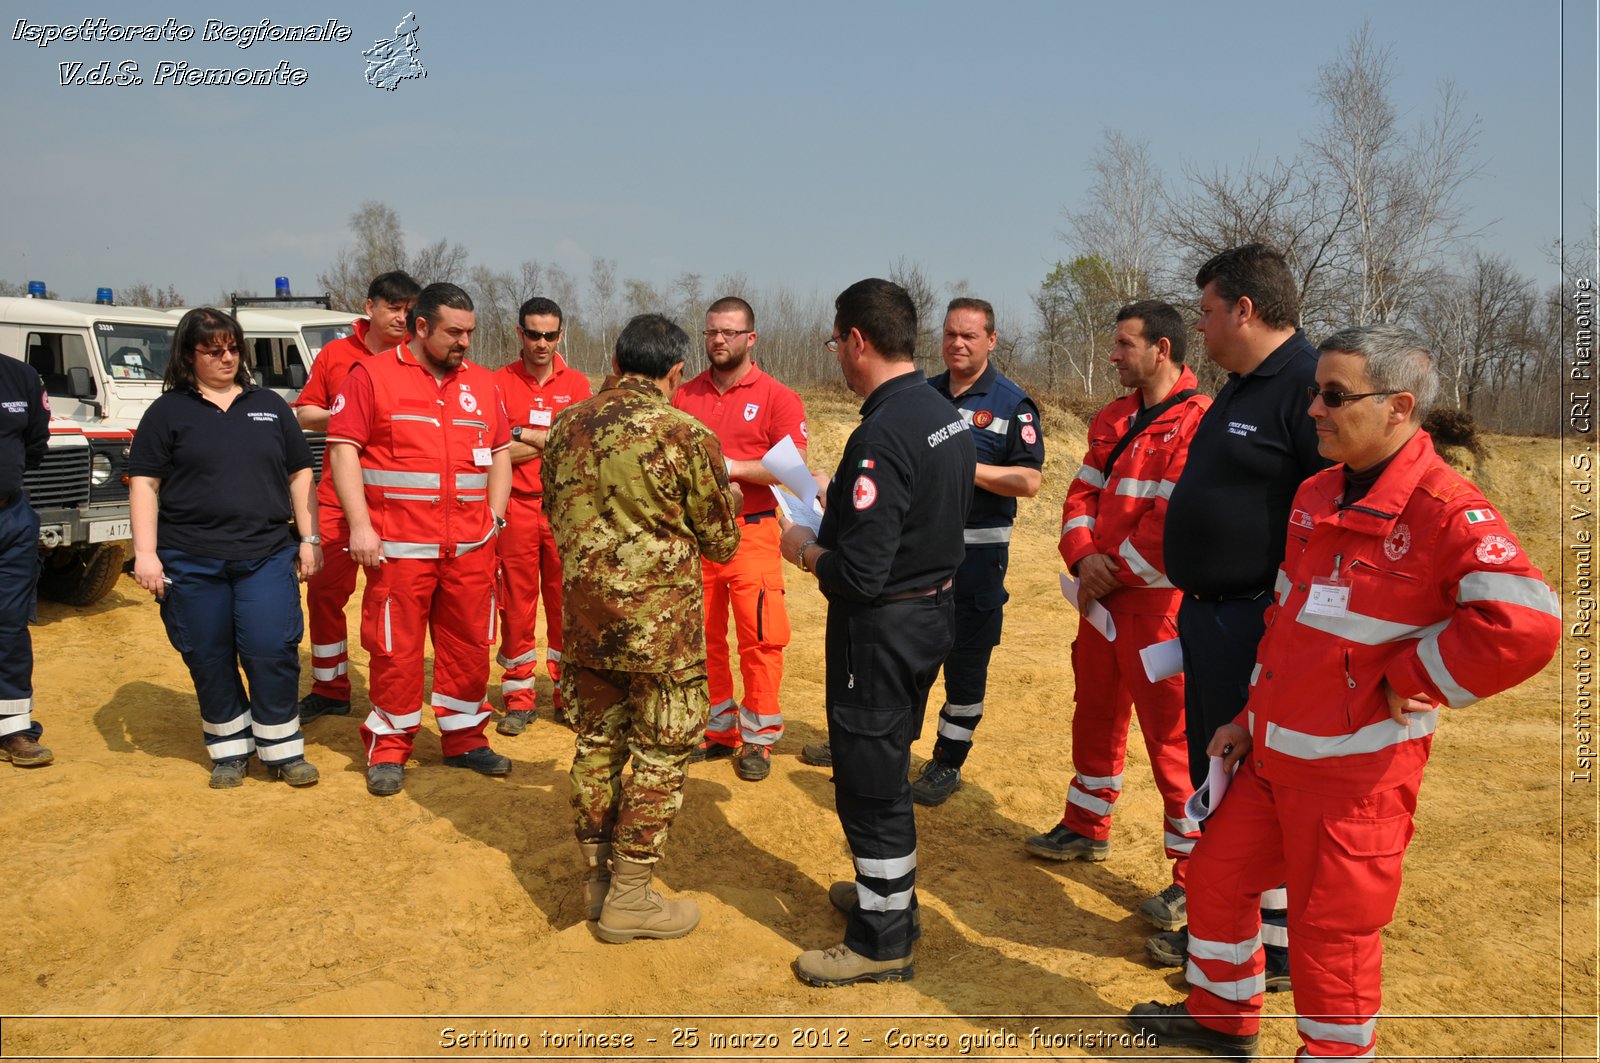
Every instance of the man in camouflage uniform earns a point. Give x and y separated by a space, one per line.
636 492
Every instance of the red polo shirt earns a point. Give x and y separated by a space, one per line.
748 419
526 398
328 371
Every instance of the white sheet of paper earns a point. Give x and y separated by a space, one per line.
1162 660
784 462
1096 614
1209 796
797 512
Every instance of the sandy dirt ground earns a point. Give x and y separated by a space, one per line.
149 916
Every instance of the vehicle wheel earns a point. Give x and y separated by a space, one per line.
86 577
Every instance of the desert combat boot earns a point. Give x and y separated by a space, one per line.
633 910
597 882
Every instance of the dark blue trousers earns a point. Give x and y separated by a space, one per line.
980 597
223 616
19 581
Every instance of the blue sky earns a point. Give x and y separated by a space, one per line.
803 145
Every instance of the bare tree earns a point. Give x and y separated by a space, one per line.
603 288
925 297
377 247
1122 223
144 294
1478 325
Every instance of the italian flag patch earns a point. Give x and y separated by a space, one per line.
1480 516
866 463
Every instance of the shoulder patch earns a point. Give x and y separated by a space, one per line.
1301 517
1496 550
1030 435
1481 516
864 493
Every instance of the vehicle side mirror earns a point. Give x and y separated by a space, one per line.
79 385
297 376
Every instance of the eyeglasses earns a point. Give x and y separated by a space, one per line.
1333 398
218 352
832 343
727 333
548 337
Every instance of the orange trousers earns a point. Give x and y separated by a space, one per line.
751 585
528 567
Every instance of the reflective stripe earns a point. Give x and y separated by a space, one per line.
553 655
470 424
508 686
1234 952
1091 476
1512 590
1140 567
1273 934
1078 522
18 721
1283 586
1367 630
425 551
975 709
1140 488
383 723
954 732
893 867
999 425
467 548
1177 843
329 649
1184 826
986 536
282 751
751 720
390 478
392 496
388 633
1358 1034
1099 782
1369 739
877 902
1167 487
519 660
471 481
1455 695
462 721
271 732
239 747
1240 992
1255 673
239 723
445 701
12 706
323 675
1088 802
1275 900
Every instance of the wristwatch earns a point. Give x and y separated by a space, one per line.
314 540
516 432
499 524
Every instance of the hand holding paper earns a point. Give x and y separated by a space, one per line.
1097 615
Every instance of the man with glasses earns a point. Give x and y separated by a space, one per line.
536 387
390 297
1228 518
1401 591
750 412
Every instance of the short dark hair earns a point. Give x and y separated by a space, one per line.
1158 321
728 304
544 308
883 312
396 286
1260 274
431 299
650 345
984 306
203 324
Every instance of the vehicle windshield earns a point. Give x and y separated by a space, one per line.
319 336
134 352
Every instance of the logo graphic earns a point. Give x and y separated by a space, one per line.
864 493
1398 542
803 433
983 418
1024 417
469 401
1300 517
1480 516
393 61
1496 549
338 404
750 411
1029 436
866 463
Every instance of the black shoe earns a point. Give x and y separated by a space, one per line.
753 762
1278 977
1064 843
385 780
936 784
817 754
844 897
1170 949
482 760
296 772
516 721
316 706
709 750
1171 1027
1167 910
226 774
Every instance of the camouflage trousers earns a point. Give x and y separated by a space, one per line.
653 717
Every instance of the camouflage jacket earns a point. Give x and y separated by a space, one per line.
635 493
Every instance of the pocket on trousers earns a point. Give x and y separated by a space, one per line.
172 619
377 625
772 616
871 750
1356 881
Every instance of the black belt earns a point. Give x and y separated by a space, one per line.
757 517
906 596
1213 598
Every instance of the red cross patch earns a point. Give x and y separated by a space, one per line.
1398 542
864 493
1496 549
1029 436
750 411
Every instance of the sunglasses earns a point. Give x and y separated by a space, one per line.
548 337
1333 398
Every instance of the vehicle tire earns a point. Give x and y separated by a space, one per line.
86 577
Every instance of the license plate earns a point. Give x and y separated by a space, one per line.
107 531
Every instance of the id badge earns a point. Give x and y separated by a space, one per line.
539 418
1329 596
481 456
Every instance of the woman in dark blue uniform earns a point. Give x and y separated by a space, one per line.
234 529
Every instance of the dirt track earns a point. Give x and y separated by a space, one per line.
136 891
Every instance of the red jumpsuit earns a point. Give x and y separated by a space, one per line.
1122 515
426 448
749 419
527 552
1419 585
329 590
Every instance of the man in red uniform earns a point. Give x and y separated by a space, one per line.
390 297
750 412
420 450
1401 592
536 388
1111 534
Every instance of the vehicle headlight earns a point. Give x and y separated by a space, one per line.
100 470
